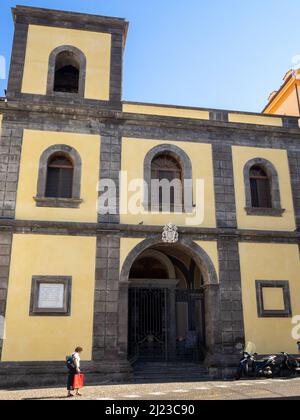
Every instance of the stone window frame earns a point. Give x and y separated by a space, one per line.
41 199
273 284
51 71
269 168
186 164
36 282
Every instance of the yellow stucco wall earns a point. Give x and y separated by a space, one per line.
211 248
273 299
49 338
134 152
128 244
255 119
285 101
241 155
199 114
288 104
34 144
166 111
269 262
42 40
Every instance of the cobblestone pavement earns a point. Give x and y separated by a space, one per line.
261 389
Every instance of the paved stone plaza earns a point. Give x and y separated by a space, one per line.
262 389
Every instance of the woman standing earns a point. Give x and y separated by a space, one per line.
73 364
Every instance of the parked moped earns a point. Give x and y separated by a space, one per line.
251 366
288 365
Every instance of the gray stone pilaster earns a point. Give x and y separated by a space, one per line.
294 163
10 155
232 316
116 67
17 60
5 255
106 298
224 186
110 166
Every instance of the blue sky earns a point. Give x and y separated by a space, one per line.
227 54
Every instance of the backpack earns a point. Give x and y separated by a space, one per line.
70 363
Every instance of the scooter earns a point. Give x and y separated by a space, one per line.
253 367
289 365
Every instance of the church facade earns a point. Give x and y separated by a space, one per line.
144 283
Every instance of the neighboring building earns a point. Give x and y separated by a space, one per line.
286 101
114 283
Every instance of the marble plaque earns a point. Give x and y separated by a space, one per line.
51 296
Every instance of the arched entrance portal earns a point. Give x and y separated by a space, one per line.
166 307
169 303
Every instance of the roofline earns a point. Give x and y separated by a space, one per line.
37 12
278 92
230 111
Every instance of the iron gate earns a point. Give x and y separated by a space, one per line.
155 316
191 347
148 323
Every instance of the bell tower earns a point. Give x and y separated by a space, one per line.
67 57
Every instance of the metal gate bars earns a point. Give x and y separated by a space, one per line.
166 324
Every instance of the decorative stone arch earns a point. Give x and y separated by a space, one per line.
186 164
272 174
74 156
212 295
162 258
51 70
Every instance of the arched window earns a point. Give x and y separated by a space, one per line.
166 167
260 184
67 70
262 189
60 172
170 162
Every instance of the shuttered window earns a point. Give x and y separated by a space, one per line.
59 178
166 167
260 188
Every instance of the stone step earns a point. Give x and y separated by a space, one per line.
170 372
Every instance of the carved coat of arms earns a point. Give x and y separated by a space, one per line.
170 234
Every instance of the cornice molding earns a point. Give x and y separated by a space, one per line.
117 117
59 228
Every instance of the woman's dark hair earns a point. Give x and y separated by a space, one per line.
79 350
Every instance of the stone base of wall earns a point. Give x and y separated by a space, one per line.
53 374
225 374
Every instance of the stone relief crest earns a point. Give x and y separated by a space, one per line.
170 234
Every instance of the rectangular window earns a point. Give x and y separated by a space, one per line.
51 295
